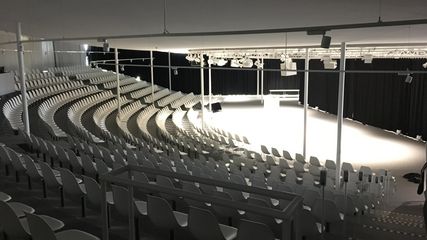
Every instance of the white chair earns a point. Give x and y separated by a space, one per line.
40 230
73 189
163 217
203 225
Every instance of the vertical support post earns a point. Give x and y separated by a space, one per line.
210 87
22 78
132 226
170 71
152 75
257 81
307 67
104 211
202 89
340 113
262 79
119 104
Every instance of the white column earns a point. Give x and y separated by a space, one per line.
22 78
307 67
119 104
210 87
202 89
340 113
170 71
262 78
152 75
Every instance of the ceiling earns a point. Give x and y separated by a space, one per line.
95 18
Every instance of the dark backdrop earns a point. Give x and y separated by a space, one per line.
381 100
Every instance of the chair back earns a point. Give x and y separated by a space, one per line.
39 229
204 225
249 230
48 175
160 213
32 171
70 184
93 191
10 223
121 200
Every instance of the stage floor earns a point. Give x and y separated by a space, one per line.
361 144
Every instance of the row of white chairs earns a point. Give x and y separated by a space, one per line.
123 82
144 92
49 107
102 112
169 99
126 113
39 83
92 75
103 78
157 95
73 70
31 76
76 111
133 87
12 109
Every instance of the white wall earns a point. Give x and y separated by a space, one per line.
7 83
40 55
68 59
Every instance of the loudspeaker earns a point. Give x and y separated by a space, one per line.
216 107
370 178
385 173
323 177
360 176
376 179
346 176
2 69
382 179
326 42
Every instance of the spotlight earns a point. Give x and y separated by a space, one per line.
425 65
221 62
258 63
189 58
367 58
235 63
106 46
175 71
211 61
330 64
326 41
122 68
247 63
138 78
409 78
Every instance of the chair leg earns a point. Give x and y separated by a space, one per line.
171 235
44 189
6 169
108 217
136 227
62 196
83 199
17 176
29 183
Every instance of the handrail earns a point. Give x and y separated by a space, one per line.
289 214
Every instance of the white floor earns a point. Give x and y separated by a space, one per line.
283 128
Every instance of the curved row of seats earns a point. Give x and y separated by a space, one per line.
49 107
144 92
12 109
39 83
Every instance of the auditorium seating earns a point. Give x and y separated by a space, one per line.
178 143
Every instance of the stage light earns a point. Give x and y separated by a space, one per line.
326 41
106 46
235 63
221 62
211 61
138 79
175 71
85 47
367 58
122 68
409 78
330 64
247 63
425 65
259 64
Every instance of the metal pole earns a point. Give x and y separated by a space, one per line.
307 67
119 104
257 81
202 89
210 87
170 71
262 78
104 211
22 76
152 75
340 113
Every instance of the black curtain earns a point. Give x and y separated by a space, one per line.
378 99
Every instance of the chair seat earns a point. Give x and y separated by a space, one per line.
181 218
141 207
53 223
20 209
228 232
75 234
4 197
